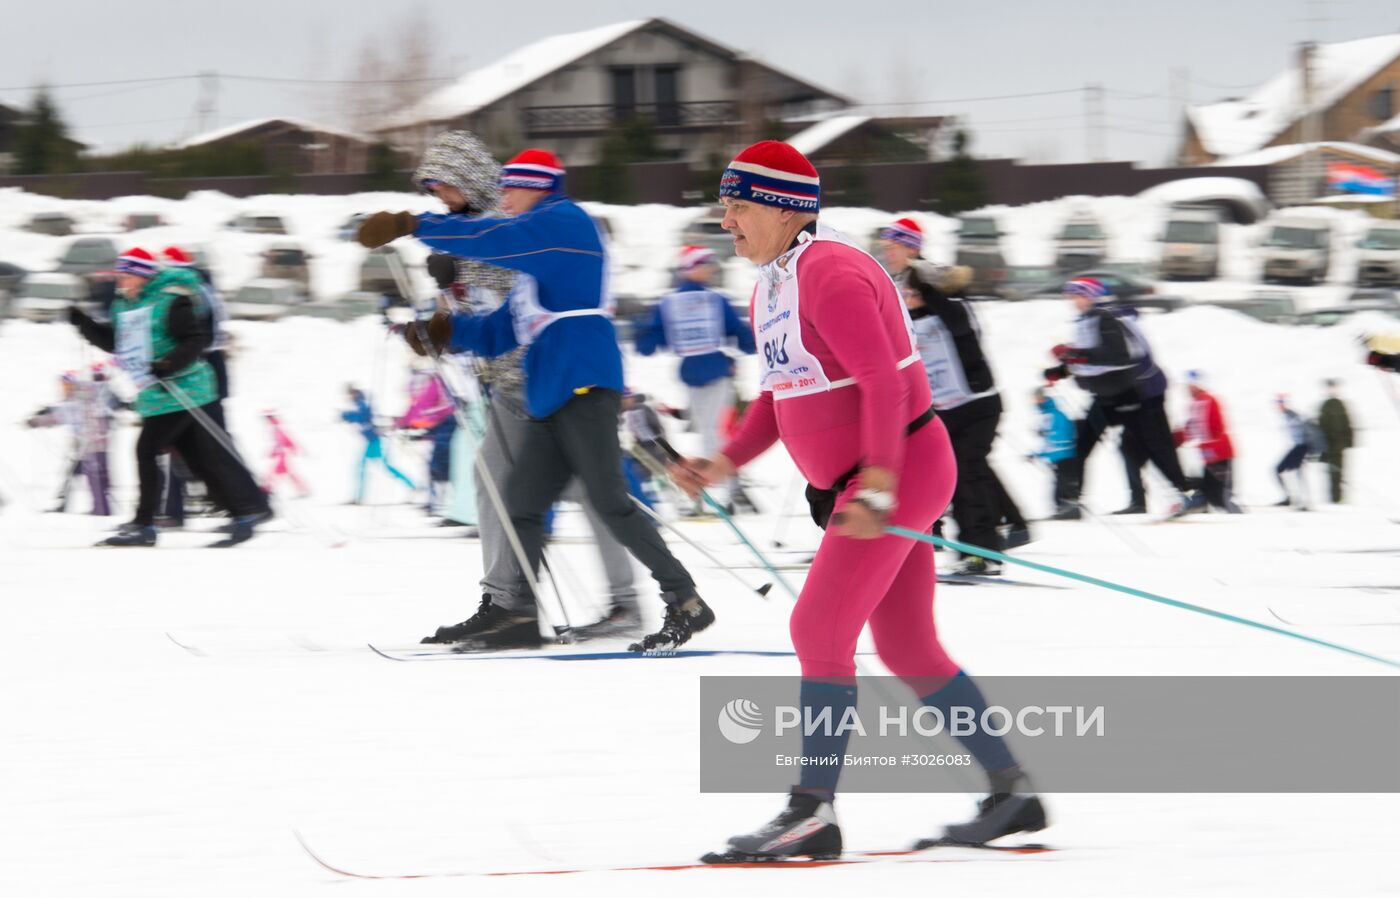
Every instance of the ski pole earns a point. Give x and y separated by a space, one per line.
761 590
494 494
729 521
1131 591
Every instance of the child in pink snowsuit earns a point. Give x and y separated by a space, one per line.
283 447
843 387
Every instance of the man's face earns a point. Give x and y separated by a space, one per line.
130 284
897 256
1081 302
759 231
519 200
451 197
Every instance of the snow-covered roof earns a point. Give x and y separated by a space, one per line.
1237 126
1388 127
811 139
482 87
1273 155
231 130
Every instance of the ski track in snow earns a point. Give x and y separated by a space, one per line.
135 767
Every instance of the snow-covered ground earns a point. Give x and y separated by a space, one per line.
134 767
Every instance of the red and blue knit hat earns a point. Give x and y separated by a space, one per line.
906 232
692 257
533 169
138 262
1093 288
772 173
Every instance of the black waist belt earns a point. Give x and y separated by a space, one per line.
823 502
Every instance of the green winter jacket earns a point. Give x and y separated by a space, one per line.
143 336
1336 425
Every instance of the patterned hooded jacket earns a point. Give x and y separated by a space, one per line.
459 159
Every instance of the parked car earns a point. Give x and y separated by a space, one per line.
289 262
1381 295
259 223
979 248
1379 259
1132 289
55 224
1296 249
1191 243
88 255
1081 244
1270 306
1337 314
10 276
377 277
355 304
1024 281
137 221
264 299
46 296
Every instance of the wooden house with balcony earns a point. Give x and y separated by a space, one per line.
698 99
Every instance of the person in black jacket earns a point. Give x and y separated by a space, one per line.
964 391
1111 359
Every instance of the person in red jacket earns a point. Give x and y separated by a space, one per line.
1206 428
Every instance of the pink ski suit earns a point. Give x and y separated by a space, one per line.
841 382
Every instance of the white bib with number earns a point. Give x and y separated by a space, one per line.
134 344
694 322
789 369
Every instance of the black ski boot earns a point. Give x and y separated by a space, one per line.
1069 511
683 620
1016 537
240 529
1133 507
621 620
492 627
132 535
1010 808
807 827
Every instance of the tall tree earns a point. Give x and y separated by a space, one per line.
42 146
962 188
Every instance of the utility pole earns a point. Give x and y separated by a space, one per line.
1179 100
1093 122
207 106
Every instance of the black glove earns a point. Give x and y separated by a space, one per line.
385 227
439 328
443 269
76 315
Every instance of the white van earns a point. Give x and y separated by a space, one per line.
1296 248
1191 243
1081 244
1378 261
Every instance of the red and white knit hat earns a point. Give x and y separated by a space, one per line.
533 169
138 262
692 257
905 231
773 173
177 257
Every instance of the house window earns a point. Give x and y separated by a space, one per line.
624 92
668 109
1381 104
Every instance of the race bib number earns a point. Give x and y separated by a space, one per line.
134 345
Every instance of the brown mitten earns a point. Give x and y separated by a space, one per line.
439 328
384 227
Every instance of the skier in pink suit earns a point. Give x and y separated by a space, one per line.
283 448
843 388
431 411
